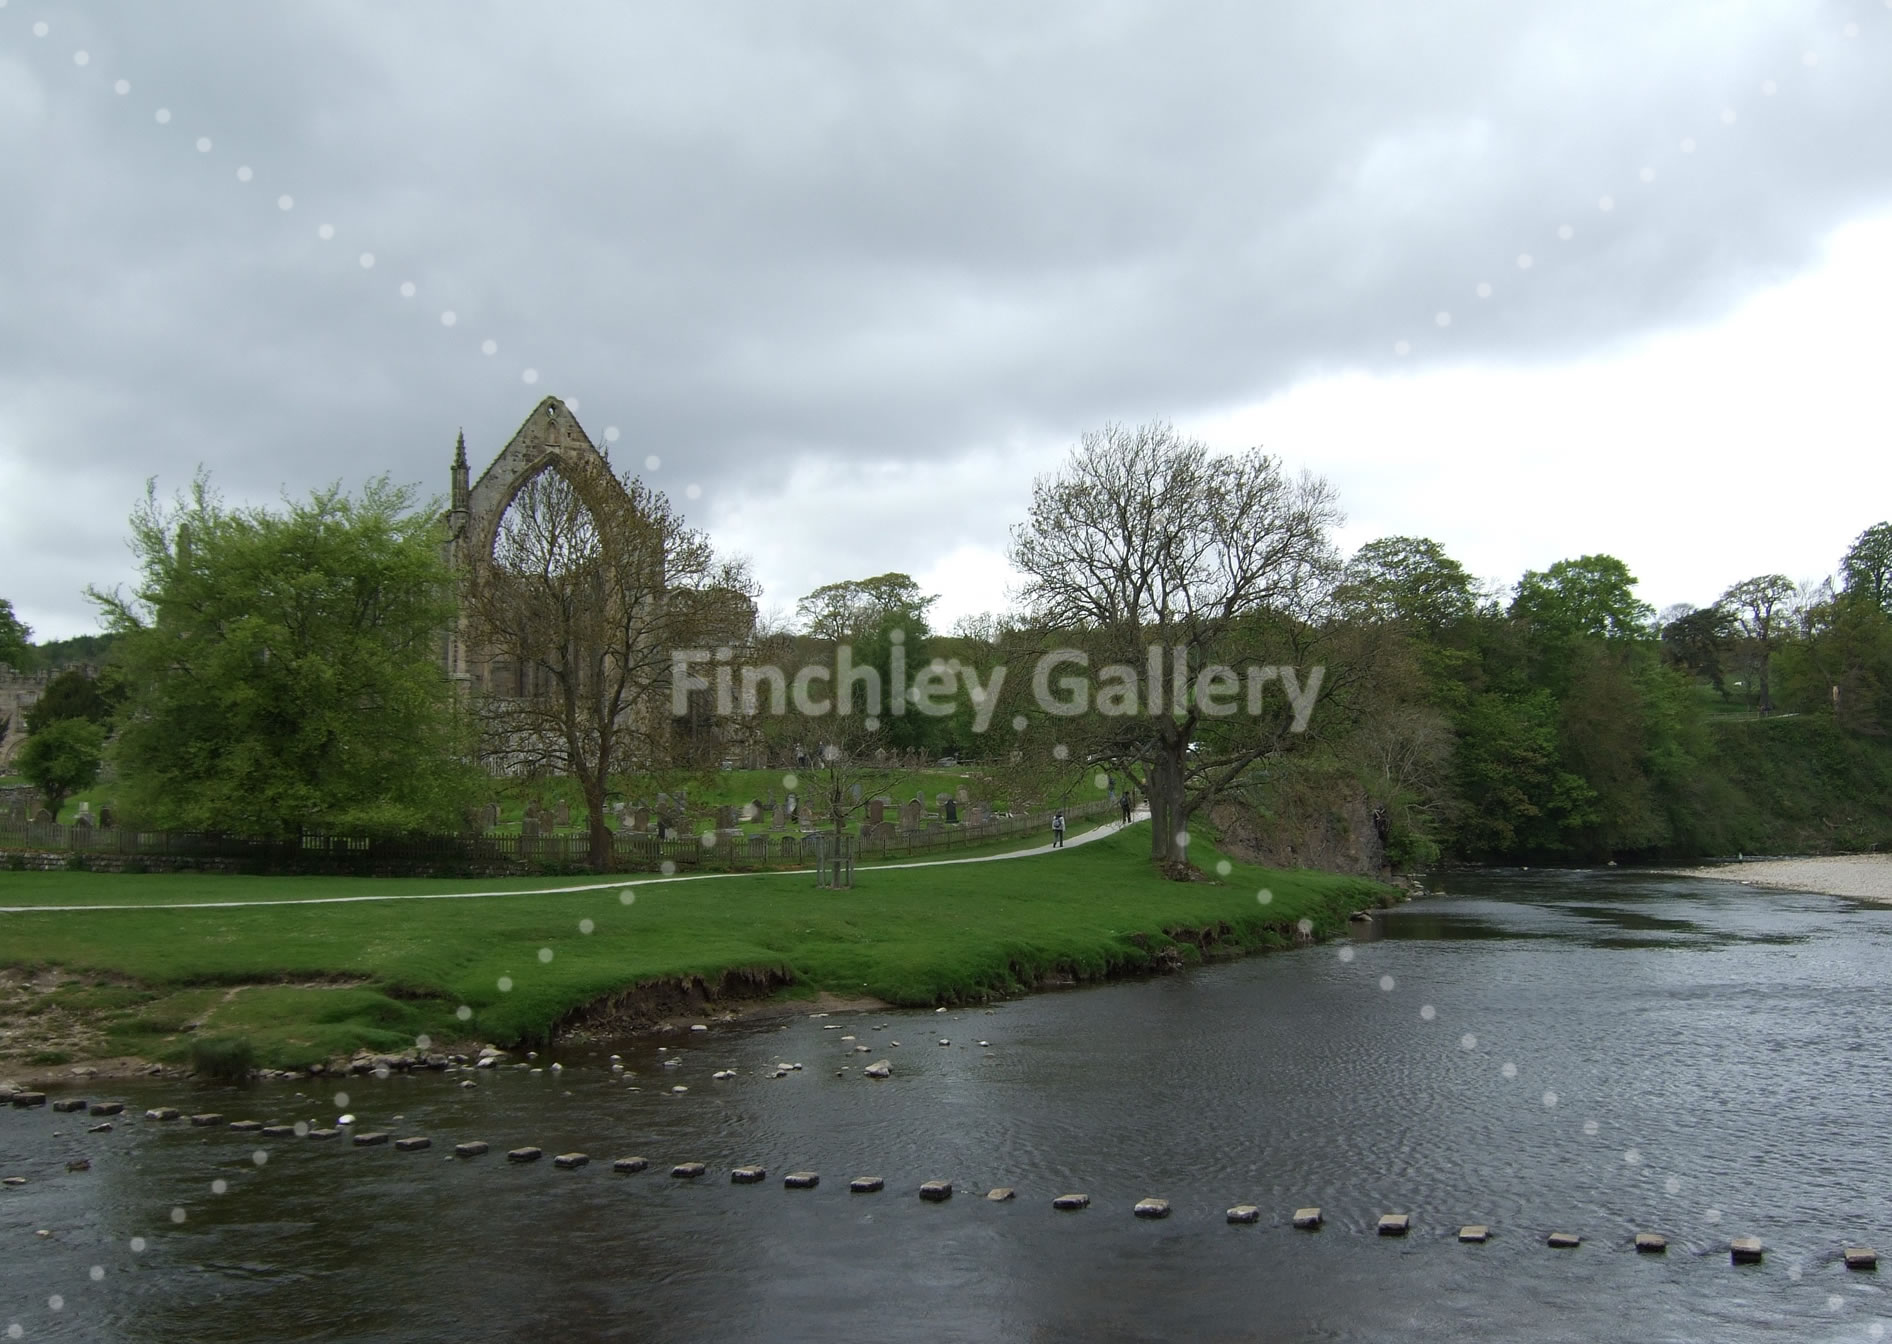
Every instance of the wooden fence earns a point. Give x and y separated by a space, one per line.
417 853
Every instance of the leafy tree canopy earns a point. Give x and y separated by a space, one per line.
1867 567
1593 595
849 609
71 695
1408 579
16 649
61 759
283 667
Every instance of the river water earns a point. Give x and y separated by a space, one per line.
1595 1053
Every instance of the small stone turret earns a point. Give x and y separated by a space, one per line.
461 485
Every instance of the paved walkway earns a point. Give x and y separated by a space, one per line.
1071 841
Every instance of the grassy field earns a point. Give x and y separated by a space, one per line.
304 981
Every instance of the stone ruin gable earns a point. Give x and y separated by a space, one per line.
19 691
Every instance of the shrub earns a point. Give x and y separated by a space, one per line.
226 1058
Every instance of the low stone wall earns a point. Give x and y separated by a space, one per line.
49 861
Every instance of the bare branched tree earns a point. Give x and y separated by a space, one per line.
593 584
1147 540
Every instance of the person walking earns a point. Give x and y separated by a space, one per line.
1057 829
1126 805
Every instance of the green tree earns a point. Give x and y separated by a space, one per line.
71 695
1867 566
1591 596
849 609
1758 608
16 649
61 759
1407 579
1696 638
283 668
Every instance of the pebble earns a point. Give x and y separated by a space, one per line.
630 1164
800 1180
527 1154
936 1191
1245 1213
1071 1202
860 1185
1151 1208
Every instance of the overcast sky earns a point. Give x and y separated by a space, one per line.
853 273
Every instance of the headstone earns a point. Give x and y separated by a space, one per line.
725 818
876 812
562 814
529 828
492 815
43 817
83 821
952 810
910 815
640 820
963 796
791 846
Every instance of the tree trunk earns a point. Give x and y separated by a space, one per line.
599 846
1167 816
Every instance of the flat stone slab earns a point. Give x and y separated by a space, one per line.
1001 1194
1245 1213
866 1185
686 1171
1151 1208
527 1154
748 1175
1564 1241
571 1161
1651 1243
103 1127
880 1068
1069 1202
12 1180
155 1113
28 1099
108 1108
1861 1257
800 1180
631 1164
1745 1250
1475 1233
206 1119
278 1131
1395 1224
413 1143
246 1126
1307 1219
936 1190
472 1149
67 1105
324 1133
374 1138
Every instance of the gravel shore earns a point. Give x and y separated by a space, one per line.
1864 877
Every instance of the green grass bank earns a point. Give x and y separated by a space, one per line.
303 981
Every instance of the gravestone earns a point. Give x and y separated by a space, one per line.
529 828
884 831
492 815
108 819
725 818
562 814
640 820
951 809
910 815
43 817
963 796
533 810
876 812
791 846
83 821
939 802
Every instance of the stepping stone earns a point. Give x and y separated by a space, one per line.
413 1144
102 1128
1476 1233
206 1119
630 1164
880 1068
155 1113
278 1131
1151 1208
1651 1243
571 1161
1861 1257
1307 1219
67 1105
1245 1213
526 1154
800 1180
935 1191
1071 1202
323 1133
1745 1250
1564 1241
246 1126
108 1108
1001 1194
28 1099
79 1164
1395 1224
686 1171
374 1138
866 1185
13 1180
473 1149
748 1175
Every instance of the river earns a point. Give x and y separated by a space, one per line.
1598 1053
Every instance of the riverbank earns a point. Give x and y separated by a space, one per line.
312 973
1859 877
